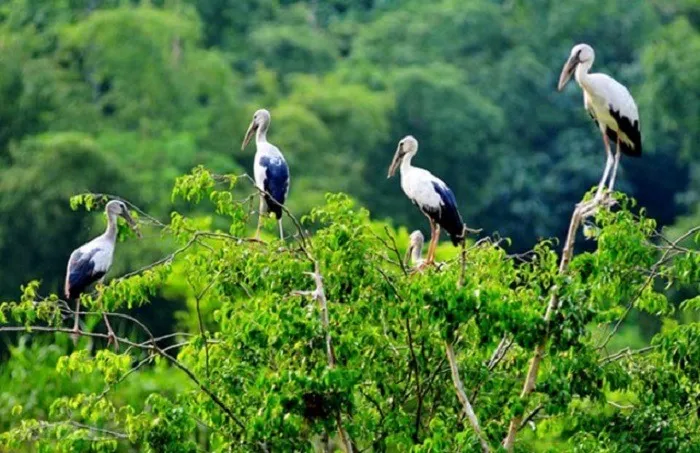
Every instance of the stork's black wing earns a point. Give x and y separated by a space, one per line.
448 216
81 273
276 183
631 130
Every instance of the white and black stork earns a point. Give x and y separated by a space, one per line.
430 194
610 105
270 170
90 262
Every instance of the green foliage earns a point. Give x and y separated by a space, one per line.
267 369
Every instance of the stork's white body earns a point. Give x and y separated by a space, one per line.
103 247
417 184
601 94
266 150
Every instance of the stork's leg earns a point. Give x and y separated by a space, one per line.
608 166
427 261
76 324
279 222
111 337
260 214
435 242
615 164
434 236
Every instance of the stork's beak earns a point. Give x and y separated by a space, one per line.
131 222
567 71
249 134
396 161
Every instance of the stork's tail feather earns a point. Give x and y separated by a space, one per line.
457 239
458 236
631 130
274 207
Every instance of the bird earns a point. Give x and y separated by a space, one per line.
414 253
90 262
432 196
611 106
270 170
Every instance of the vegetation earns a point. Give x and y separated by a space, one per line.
122 97
331 340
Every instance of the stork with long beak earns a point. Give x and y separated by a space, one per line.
610 105
432 196
90 262
270 170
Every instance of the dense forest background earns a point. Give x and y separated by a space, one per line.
119 97
123 96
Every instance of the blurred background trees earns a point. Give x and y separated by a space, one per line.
156 87
122 96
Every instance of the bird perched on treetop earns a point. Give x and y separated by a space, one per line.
432 196
270 170
610 105
90 262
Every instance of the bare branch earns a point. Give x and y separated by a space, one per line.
467 407
319 295
500 352
580 212
625 353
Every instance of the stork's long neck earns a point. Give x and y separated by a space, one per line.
581 73
417 252
261 134
406 164
111 232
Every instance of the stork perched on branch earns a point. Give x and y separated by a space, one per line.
90 262
270 170
432 196
610 105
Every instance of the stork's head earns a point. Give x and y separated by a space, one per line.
408 146
415 248
417 240
580 54
118 208
261 120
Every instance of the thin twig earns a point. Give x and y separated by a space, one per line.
652 275
414 361
624 353
202 330
530 416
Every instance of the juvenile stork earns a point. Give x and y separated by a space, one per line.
610 105
432 196
415 249
90 262
270 170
